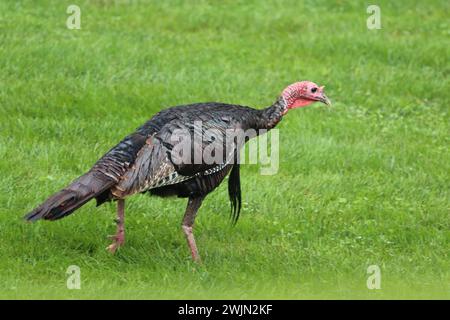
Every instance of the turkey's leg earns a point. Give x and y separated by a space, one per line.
119 237
188 224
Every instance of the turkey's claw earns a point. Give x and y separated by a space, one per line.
118 241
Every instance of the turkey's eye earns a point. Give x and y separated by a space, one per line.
313 90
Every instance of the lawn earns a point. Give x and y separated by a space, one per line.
363 183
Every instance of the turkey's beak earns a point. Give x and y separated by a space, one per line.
323 98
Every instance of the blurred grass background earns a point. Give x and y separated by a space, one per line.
365 183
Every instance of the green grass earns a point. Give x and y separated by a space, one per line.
364 183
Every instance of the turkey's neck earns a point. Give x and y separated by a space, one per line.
270 116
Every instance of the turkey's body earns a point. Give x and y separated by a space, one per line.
144 162
144 159
154 167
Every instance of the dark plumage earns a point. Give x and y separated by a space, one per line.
145 161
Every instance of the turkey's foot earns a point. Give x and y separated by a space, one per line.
118 241
119 237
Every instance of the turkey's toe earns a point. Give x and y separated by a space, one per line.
118 241
112 247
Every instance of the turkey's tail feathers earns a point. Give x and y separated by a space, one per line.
72 197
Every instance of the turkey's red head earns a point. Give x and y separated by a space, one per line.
301 94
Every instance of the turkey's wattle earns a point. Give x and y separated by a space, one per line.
143 162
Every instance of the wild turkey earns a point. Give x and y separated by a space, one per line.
145 162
